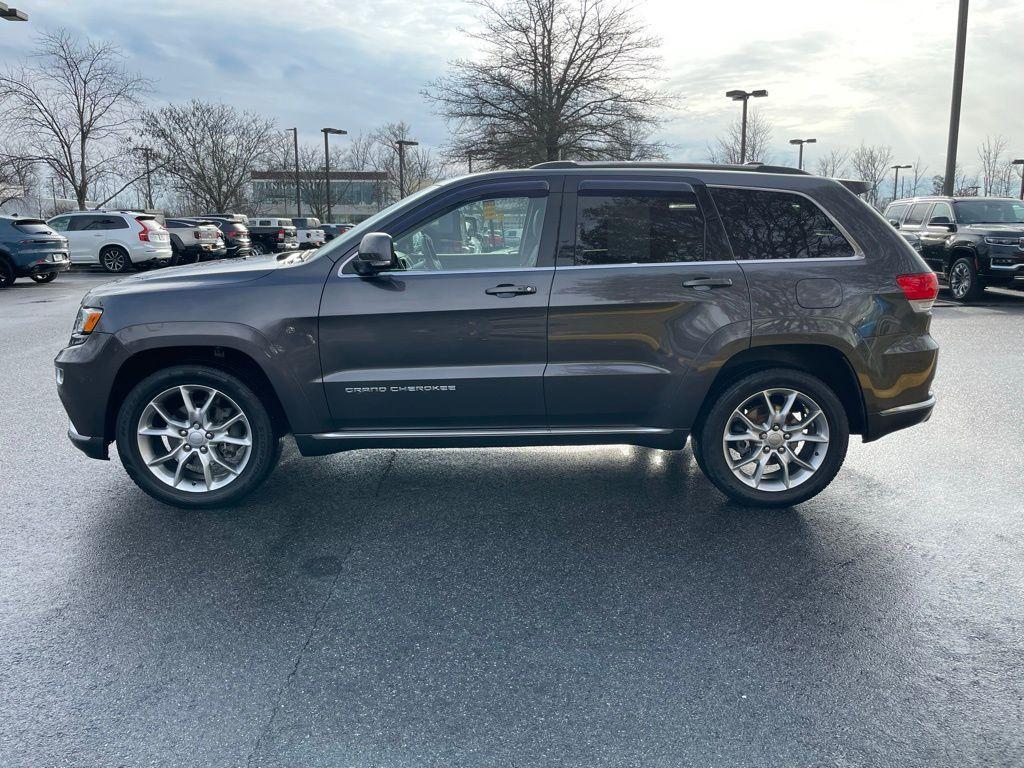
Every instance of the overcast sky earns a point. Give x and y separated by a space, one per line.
844 72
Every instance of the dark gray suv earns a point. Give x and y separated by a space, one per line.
763 313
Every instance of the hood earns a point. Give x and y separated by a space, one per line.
1001 230
202 275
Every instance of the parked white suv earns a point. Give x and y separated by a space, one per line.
116 240
310 233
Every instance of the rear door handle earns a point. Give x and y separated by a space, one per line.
708 282
507 289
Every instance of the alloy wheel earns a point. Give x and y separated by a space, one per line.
776 439
960 279
194 438
114 260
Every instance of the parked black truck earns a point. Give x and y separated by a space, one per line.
971 242
762 313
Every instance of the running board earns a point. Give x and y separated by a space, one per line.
331 442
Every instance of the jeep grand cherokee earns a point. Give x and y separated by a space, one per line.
762 313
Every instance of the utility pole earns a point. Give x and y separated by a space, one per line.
896 178
327 165
800 143
402 144
744 96
298 189
954 111
147 153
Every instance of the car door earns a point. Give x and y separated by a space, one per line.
644 283
935 233
81 235
456 338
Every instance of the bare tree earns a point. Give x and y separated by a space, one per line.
871 163
210 150
726 148
964 184
993 166
421 168
833 165
556 79
73 103
917 173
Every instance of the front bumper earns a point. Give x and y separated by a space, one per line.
93 447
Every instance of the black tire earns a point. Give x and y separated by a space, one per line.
266 445
115 259
257 248
708 437
175 255
7 276
45 277
964 283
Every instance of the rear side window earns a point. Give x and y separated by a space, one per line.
641 227
32 227
778 225
895 211
103 223
917 213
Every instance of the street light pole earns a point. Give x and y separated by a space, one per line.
896 178
744 96
801 142
1020 162
298 190
12 14
954 111
402 144
327 165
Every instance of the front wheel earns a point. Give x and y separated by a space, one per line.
773 439
964 283
7 275
196 437
45 277
258 249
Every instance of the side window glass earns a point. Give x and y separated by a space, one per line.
778 225
639 228
894 212
84 223
943 212
494 233
917 214
60 224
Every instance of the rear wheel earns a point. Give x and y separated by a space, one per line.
45 277
115 259
774 438
257 248
196 437
964 283
7 276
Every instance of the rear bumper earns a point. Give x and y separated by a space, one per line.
43 268
901 417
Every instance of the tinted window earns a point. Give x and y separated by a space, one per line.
917 213
60 223
778 225
102 223
474 235
639 228
895 211
32 227
942 210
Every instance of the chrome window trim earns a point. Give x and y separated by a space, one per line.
858 252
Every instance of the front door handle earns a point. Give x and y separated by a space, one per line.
507 289
708 282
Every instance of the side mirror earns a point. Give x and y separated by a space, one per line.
895 223
942 221
376 253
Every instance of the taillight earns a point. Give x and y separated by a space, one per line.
280 234
144 232
921 289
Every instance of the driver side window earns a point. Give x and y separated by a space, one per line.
493 233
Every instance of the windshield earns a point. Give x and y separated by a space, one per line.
989 211
343 242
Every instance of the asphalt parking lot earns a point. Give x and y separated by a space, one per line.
518 607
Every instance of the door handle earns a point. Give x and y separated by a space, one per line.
708 282
507 289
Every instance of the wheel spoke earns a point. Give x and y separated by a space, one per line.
186 396
804 437
230 440
166 416
159 432
759 470
784 414
165 458
732 438
750 425
221 463
206 406
744 462
204 459
226 424
771 408
784 463
179 471
800 462
807 421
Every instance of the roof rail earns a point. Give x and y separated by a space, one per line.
758 167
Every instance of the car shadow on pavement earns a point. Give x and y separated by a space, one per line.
586 606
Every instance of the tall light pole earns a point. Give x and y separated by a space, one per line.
12 14
954 110
896 178
402 144
469 156
298 190
744 96
801 142
327 164
1020 162
147 153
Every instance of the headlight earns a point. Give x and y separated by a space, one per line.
86 322
1002 240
